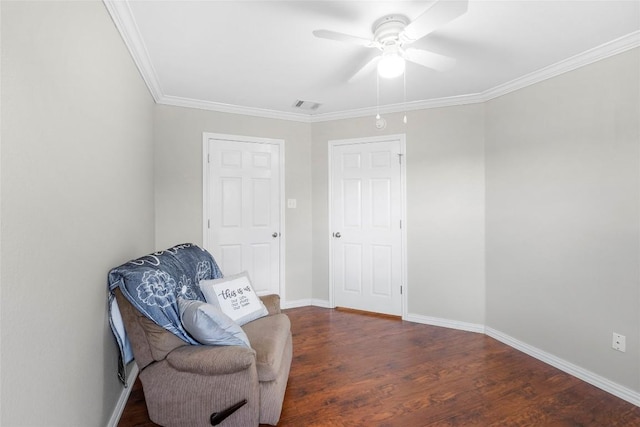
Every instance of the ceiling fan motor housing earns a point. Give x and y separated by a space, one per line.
387 28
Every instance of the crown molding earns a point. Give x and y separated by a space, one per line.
125 23
590 56
614 47
399 108
177 101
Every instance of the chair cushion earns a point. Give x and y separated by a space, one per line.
268 337
161 342
211 360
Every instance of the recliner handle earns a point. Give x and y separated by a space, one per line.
218 417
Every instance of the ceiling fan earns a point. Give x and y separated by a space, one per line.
393 33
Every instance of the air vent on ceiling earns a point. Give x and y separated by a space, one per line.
306 105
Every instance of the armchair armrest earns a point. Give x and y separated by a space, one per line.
272 302
211 360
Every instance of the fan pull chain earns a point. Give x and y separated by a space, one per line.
377 96
404 95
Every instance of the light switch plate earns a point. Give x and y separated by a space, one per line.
292 203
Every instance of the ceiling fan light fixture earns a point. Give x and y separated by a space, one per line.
391 65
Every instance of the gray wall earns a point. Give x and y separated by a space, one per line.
445 189
77 199
178 178
445 207
92 174
562 178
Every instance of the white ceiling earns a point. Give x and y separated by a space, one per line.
259 57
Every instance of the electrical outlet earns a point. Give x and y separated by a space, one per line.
619 342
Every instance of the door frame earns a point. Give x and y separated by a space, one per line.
206 215
401 138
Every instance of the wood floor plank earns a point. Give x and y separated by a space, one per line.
357 369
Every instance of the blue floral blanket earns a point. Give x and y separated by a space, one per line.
153 284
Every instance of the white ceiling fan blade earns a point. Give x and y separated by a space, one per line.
366 69
346 38
438 14
427 59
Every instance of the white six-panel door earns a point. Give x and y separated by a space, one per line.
243 207
366 210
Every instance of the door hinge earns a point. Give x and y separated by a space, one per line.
400 223
400 289
400 158
208 223
208 158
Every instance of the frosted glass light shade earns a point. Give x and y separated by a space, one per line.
390 66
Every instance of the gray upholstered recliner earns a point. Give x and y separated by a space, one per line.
185 384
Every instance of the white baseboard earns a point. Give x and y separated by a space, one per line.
306 303
321 303
609 386
602 383
296 303
445 323
124 396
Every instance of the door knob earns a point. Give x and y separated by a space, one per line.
337 235
275 234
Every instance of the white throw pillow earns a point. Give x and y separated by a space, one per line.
235 296
210 326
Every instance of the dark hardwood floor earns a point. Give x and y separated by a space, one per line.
355 369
